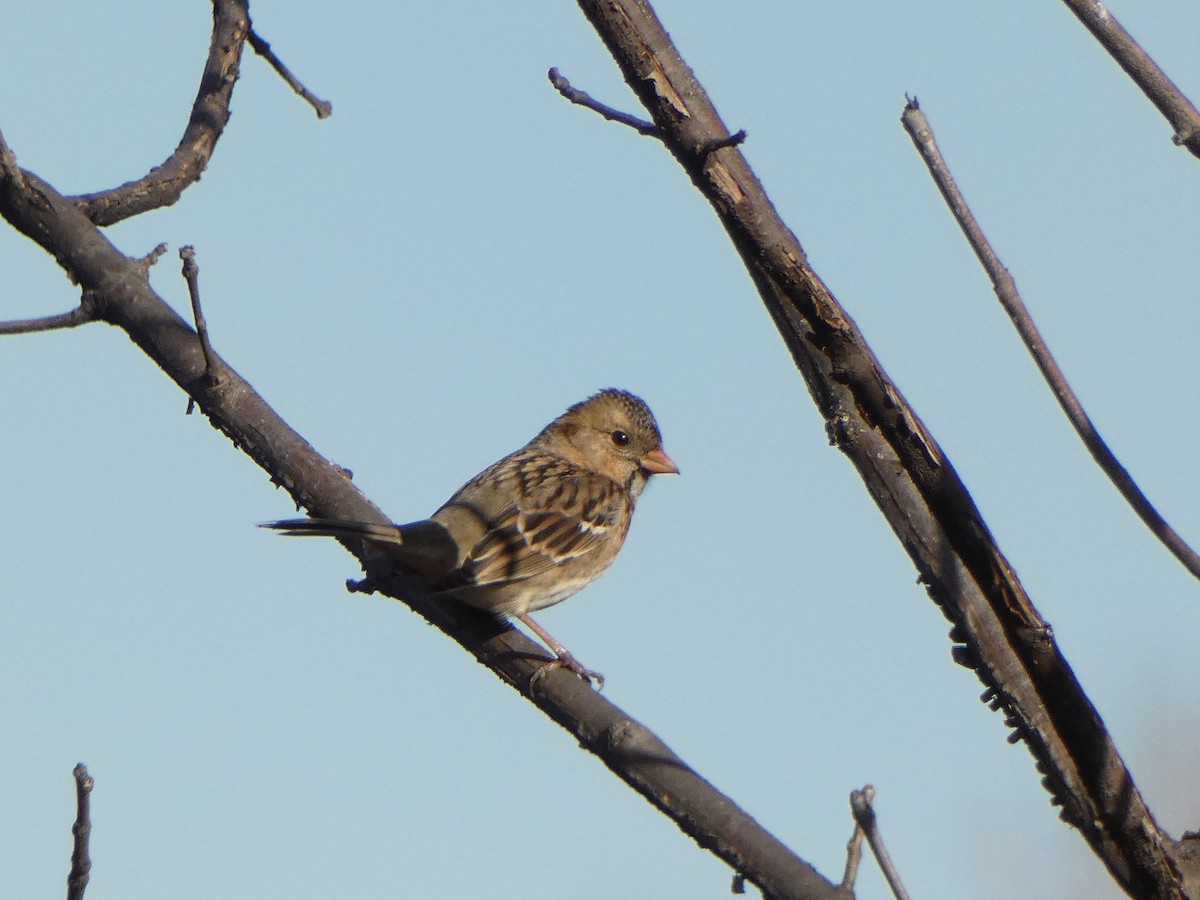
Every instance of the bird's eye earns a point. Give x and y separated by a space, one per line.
620 438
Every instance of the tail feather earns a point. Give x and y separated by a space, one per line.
383 534
425 547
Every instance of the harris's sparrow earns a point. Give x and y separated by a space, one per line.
539 525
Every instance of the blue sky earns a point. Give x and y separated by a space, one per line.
421 282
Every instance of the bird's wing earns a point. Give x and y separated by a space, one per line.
554 521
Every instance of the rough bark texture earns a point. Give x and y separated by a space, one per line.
996 628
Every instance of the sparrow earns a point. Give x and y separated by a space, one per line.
535 527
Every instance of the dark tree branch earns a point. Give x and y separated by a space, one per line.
81 863
164 184
582 98
1002 635
78 316
85 312
1005 639
1144 71
124 298
734 140
918 128
323 108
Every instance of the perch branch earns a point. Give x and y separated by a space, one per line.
919 129
125 299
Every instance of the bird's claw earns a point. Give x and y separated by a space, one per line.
571 664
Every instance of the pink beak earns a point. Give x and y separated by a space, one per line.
656 462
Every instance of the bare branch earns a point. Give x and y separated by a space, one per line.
1002 636
584 99
864 815
165 184
853 859
734 140
919 129
147 261
323 107
78 316
191 273
1144 71
634 753
81 863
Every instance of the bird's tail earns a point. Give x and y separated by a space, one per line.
424 547
382 534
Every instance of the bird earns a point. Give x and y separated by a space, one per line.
535 527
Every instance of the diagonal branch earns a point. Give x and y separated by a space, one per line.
1158 88
323 108
999 632
123 297
583 98
918 128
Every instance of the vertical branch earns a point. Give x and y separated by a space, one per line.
81 863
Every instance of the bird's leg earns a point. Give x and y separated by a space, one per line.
563 659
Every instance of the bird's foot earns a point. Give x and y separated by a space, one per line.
566 661
563 658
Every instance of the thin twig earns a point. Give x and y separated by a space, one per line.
1155 84
919 130
582 98
191 273
81 863
853 859
78 316
733 140
323 107
151 258
864 815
